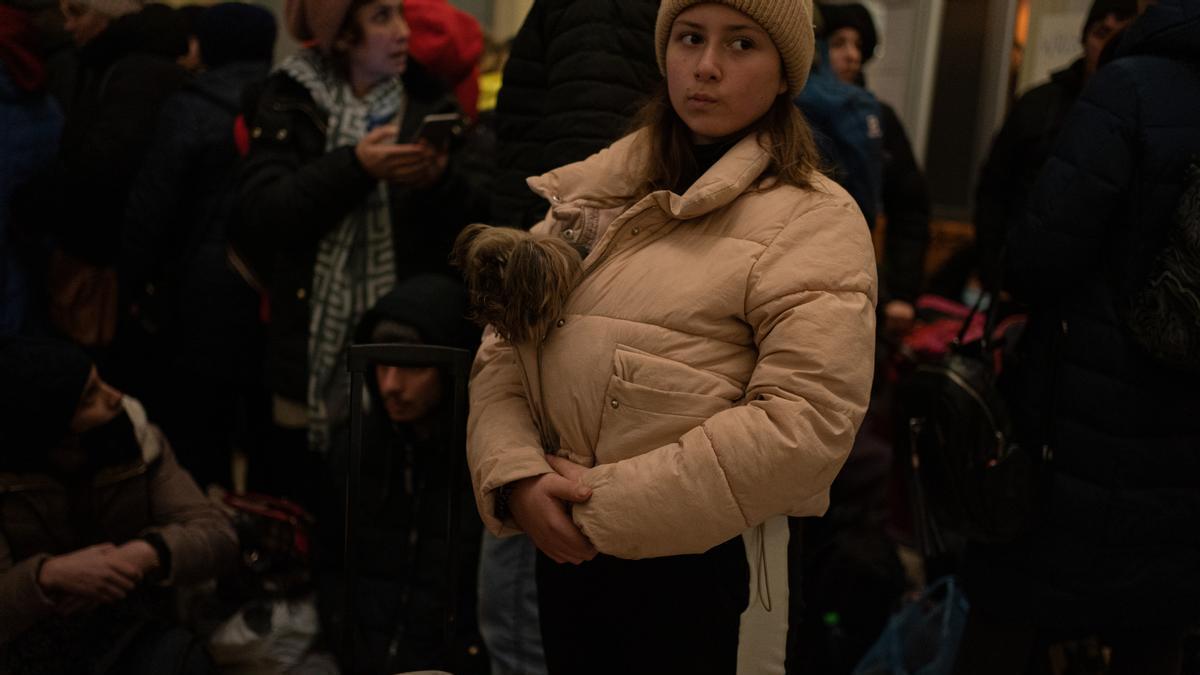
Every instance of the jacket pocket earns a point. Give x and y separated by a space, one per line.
651 401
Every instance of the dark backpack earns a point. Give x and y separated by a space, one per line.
969 475
1164 316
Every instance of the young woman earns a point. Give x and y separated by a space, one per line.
338 202
681 354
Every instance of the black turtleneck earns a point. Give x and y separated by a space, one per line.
705 156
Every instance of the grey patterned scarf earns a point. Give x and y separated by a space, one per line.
355 261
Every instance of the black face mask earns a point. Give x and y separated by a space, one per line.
110 444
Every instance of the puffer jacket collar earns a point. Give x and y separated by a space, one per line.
608 178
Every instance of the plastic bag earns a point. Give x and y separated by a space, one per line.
923 637
266 636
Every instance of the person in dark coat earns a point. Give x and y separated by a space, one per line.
403 550
578 72
30 126
97 523
1023 144
1115 550
334 210
850 32
197 315
127 71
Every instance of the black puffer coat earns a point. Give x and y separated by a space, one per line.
906 206
1018 153
1118 543
294 193
126 74
578 72
174 266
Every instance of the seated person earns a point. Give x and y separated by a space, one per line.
97 523
403 551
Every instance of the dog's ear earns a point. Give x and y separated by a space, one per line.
518 282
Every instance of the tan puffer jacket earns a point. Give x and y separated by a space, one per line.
713 365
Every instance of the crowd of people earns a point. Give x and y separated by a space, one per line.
686 247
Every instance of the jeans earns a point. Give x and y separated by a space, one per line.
508 605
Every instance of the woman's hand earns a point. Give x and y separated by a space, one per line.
139 554
898 319
419 165
92 573
539 506
412 164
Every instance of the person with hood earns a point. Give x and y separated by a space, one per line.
30 125
1115 550
679 355
179 290
97 523
127 71
852 38
1023 144
339 200
403 551
845 120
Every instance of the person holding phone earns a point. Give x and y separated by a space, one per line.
340 199
680 354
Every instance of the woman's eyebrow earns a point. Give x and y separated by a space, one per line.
731 28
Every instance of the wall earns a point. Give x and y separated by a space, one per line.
1055 29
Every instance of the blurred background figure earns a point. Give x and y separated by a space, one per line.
1114 552
576 75
99 523
30 125
850 33
338 202
127 69
1021 148
403 548
199 317
449 42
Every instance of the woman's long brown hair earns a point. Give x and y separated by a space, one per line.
667 153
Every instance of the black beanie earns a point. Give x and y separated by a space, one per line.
854 16
1123 9
41 383
434 304
235 31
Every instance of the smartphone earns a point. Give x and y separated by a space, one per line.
440 129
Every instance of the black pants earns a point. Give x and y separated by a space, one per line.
658 616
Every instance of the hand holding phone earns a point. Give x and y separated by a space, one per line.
439 130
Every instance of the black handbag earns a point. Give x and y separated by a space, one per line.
970 477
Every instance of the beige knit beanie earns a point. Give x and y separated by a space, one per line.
316 20
788 22
113 8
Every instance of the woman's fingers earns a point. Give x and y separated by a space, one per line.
384 134
566 468
567 490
